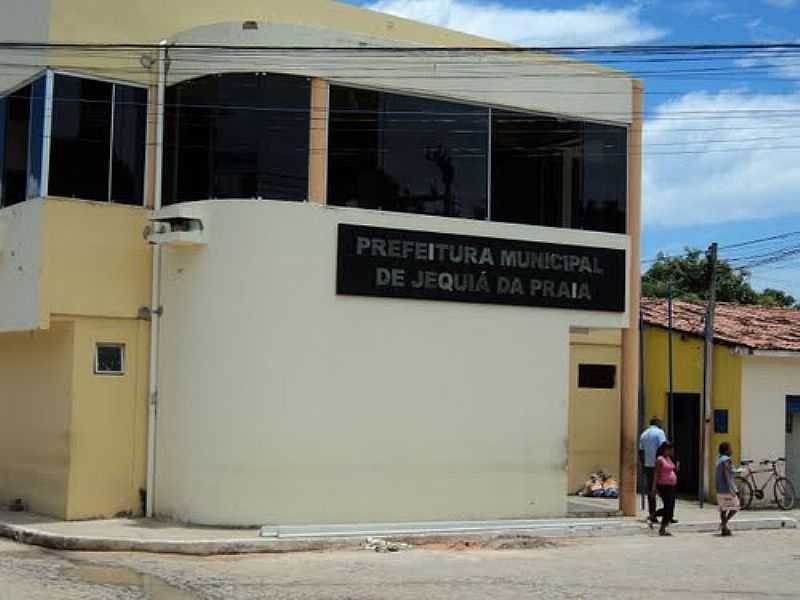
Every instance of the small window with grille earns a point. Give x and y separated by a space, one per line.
109 359
597 376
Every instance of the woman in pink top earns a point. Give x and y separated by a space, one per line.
664 481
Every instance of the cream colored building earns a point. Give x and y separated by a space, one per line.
362 260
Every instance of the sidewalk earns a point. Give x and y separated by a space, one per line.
150 535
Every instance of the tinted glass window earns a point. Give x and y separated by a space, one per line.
237 136
597 376
405 154
110 359
80 145
603 202
536 164
558 173
15 180
128 158
3 111
36 138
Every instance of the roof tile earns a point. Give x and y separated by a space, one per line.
755 327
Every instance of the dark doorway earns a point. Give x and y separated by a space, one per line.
686 427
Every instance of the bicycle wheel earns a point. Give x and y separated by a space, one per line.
745 492
784 493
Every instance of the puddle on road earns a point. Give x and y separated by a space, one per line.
153 588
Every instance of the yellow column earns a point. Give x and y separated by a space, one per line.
630 335
318 143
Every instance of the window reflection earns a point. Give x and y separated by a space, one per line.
603 205
130 143
535 169
3 117
98 140
36 138
81 138
15 141
406 154
237 136
558 173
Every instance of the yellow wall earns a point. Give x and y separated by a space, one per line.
688 378
95 261
109 422
594 414
72 443
35 409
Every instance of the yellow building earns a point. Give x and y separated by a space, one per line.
73 357
324 238
756 382
594 405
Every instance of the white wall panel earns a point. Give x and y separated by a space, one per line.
281 402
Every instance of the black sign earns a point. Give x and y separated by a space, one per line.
400 263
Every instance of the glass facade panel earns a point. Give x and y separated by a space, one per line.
15 179
3 116
36 138
237 136
536 165
130 144
558 173
406 154
603 201
81 138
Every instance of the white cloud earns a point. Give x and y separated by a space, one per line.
778 62
734 166
701 7
591 24
781 3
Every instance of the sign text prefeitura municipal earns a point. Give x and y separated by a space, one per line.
400 263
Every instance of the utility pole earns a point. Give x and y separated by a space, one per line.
671 398
705 438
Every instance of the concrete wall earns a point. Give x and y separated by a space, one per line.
281 402
525 81
519 80
766 382
36 396
95 260
594 414
71 257
21 231
22 21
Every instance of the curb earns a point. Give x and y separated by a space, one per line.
519 538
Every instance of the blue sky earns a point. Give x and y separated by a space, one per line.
742 179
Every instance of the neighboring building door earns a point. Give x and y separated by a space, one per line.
686 428
793 439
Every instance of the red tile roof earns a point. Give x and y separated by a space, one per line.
754 327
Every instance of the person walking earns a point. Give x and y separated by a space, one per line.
727 496
666 481
649 443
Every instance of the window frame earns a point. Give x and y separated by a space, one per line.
52 73
176 85
29 81
117 345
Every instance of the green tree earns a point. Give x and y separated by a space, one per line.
689 277
773 297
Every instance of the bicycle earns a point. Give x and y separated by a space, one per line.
747 487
